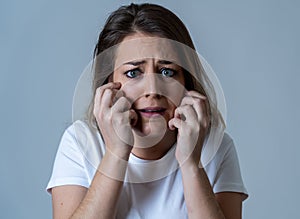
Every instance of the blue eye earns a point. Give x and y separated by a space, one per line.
132 73
167 72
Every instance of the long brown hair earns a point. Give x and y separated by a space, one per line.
147 18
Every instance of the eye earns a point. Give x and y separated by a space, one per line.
167 72
133 73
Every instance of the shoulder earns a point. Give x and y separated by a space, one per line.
226 150
220 155
79 127
71 166
80 131
215 147
227 139
79 153
227 143
84 139
224 170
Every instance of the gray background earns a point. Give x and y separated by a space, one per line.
253 47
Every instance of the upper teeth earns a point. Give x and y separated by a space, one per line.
151 110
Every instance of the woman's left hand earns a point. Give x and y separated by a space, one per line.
192 120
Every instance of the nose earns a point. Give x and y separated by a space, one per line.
153 86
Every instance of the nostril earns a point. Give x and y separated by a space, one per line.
153 95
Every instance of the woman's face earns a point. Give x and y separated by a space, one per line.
155 86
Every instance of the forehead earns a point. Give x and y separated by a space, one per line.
139 47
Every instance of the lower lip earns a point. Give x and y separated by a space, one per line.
151 114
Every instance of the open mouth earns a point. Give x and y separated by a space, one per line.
152 111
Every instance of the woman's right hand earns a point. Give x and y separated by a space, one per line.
115 119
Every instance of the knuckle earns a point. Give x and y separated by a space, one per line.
99 89
185 98
193 92
108 91
120 120
197 101
188 107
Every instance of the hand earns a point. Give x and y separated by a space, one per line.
191 119
114 118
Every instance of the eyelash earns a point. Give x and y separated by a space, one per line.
161 70
132 70
174 72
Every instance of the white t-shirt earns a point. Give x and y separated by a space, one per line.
152 189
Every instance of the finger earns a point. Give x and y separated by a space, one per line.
193 93
100 91
186 113
96 102
117 95
198 104
111 85
106 99
133 117
121 105
175 123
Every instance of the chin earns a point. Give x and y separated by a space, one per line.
150 133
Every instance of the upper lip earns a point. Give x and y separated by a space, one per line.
152 109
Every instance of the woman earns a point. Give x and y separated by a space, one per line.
151 115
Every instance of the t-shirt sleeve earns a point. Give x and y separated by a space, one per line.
69 164
228 177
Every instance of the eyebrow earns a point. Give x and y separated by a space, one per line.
165 62
137 63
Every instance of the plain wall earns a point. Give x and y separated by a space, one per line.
253 46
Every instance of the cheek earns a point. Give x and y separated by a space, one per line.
174 90
133 90
175 96
171 110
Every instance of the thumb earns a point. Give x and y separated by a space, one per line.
133 117
174 123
